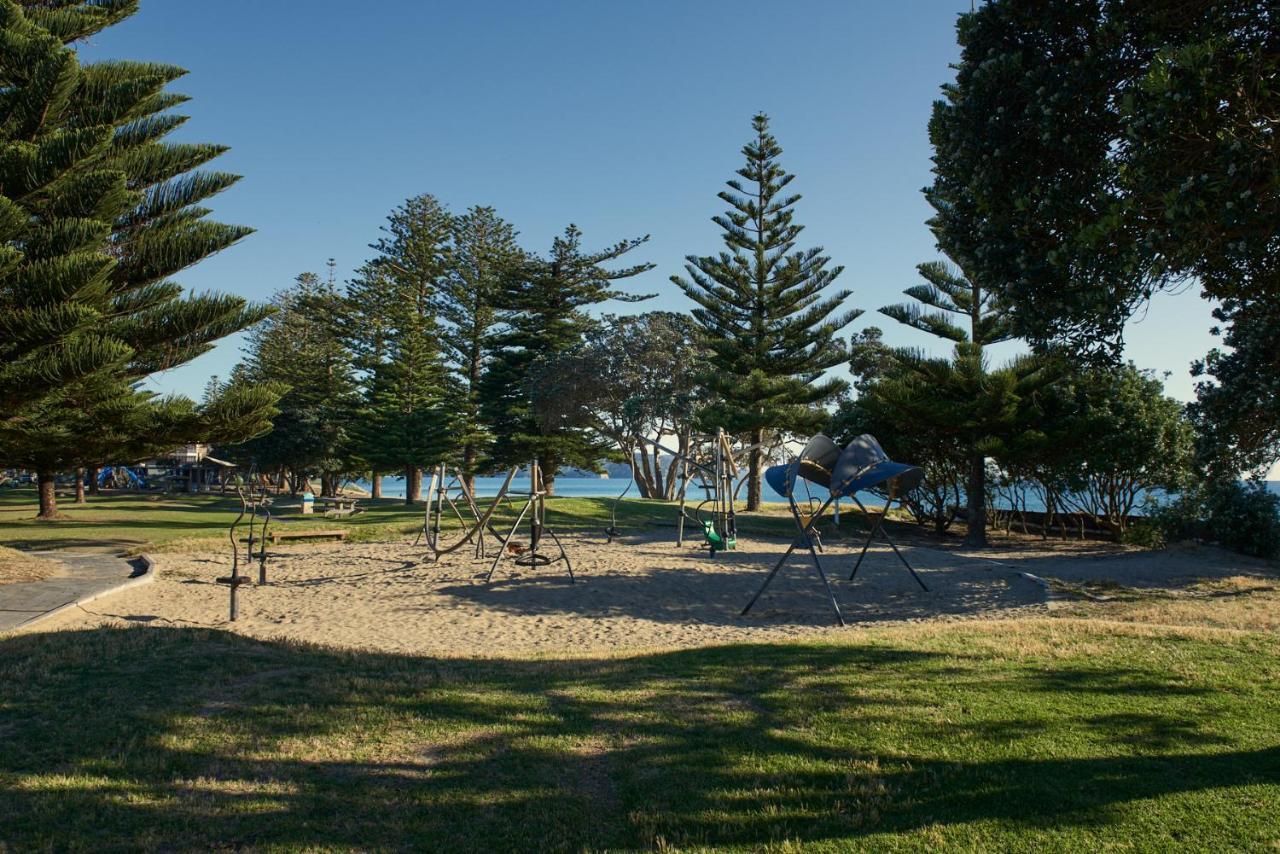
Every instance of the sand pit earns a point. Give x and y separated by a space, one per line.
633 594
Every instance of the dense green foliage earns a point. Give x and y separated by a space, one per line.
484 251
301 348
543 315
769 320
406 423
97 211
637 378
959 401
1111 149
1242 517
1119 438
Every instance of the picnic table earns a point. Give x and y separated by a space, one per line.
340 506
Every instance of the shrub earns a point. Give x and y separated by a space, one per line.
1242 517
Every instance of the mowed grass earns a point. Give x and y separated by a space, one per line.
1030 735
136 522
1149 722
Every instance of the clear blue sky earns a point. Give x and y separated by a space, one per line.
625 118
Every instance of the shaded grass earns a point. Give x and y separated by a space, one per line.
135 522
1044 734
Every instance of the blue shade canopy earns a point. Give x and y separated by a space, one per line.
814 464
861 465
776 477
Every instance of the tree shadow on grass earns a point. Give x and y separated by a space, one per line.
179 738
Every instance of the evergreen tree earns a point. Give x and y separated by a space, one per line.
960 400
543 314
406 424
767 319
484 248
1116 149
301 347
97 210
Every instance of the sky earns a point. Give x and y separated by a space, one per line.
623 118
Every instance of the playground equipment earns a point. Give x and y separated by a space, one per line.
449 495
256 504
535 509
862 465
714 472
120 477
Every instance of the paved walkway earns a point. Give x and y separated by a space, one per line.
88 577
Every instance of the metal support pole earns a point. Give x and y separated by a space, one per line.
805 537
879 526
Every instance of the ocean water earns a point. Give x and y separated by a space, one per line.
596 487
593 487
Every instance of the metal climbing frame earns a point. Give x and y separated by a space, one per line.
535 509
444 496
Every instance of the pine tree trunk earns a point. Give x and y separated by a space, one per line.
93 480
754 470
375 484
470 457
548 469
412 484
48 496
976 495
80 486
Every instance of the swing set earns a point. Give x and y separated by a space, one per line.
715 473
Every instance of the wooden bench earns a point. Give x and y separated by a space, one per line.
276 535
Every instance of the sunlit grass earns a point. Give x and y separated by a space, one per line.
1028 735
135 522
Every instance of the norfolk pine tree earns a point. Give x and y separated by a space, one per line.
542 314
484 249
96 212
960 400
406 424
767 321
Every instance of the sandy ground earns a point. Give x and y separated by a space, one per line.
17 567
630 595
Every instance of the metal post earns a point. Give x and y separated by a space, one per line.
804 537
879 526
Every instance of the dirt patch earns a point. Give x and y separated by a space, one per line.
17 567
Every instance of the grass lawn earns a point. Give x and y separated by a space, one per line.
1033 735
136 522
1152 723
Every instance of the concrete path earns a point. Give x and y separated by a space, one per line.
88 576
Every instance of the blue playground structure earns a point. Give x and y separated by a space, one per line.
862 465
120 477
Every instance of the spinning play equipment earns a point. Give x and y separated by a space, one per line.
861 465
535 510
